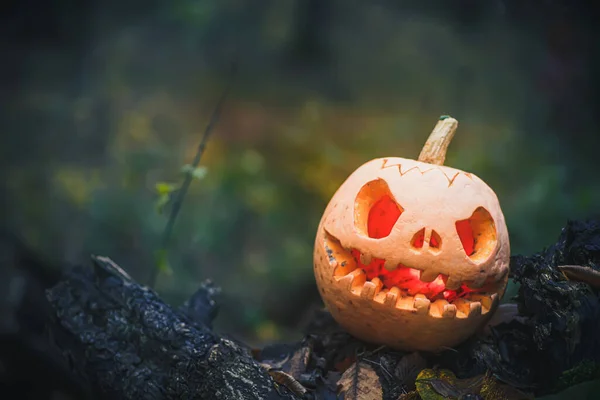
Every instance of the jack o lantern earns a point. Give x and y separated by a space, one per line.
413 254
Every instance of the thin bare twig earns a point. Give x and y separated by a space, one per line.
178 201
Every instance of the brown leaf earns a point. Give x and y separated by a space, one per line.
581 274
340 350
288 381
414 395
360 382
298 362
408 369
293 361
343 365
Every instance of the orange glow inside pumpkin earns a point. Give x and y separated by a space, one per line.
418 239
382 217
465 233
407 279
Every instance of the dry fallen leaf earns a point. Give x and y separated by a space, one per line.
286 358
414 395
344 364
580 273
288 381
298 362
360 382
408 369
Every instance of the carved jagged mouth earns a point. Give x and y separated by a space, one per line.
407 288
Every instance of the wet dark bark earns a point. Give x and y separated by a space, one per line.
97 334
128 344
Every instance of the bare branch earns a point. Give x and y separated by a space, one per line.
166 237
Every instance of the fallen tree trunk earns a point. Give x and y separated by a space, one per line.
129 344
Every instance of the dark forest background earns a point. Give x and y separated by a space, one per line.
104 102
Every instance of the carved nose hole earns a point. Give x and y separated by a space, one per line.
418 239
435 241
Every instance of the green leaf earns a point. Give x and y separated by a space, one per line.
163 188
197 173
162 262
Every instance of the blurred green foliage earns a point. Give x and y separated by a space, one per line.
99 182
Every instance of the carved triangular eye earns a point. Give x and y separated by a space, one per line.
383 217
375 210
465 233
477 234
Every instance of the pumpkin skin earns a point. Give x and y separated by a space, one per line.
412 255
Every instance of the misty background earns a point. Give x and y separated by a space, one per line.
104 103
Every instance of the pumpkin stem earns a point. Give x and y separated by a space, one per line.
434 150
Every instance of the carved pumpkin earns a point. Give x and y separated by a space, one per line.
413 254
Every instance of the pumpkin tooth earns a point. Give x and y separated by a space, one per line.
442 309
467 308
381 296
453 283
406 303
421 303
389 265
486 300
392 297
449 311
365 259
370 289
428 276
354 279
